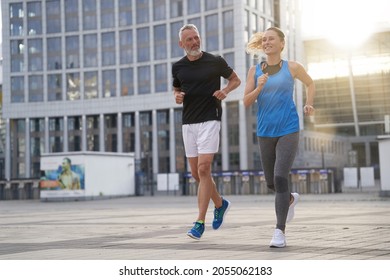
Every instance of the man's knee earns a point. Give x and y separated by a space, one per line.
204 169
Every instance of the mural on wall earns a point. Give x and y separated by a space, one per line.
63 177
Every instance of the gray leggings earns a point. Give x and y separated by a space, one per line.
277 157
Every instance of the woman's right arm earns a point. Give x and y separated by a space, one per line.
251 91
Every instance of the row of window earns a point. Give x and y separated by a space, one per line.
89 49
94 84
85 14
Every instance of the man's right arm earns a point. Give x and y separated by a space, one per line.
179 95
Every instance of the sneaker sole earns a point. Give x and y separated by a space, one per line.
292 208
224 214
193 236
277 245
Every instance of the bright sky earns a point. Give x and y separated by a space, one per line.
344 21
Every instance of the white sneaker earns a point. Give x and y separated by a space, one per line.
278 239
291 211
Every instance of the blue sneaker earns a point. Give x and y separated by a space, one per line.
196 231
219 213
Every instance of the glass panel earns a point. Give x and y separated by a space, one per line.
159 12
228 29
71 15
34 18
17 89
176 51
161 79
108 48
54 56
143 44
107 9
126 46
91 85
35 60
127 82
74 134
89 14
109 83
212 33
160 42
53 16
142 14
17 55
16 14
35 88
176 8
90 50
125 13
144 80
72 52
54 87
193 6
210 5
73 86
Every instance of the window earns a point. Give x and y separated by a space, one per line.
35 88
144 79
160 42
16 14
53 16
127 82
17 89
89 15
125 13
109 83
34 18
35 59
143 44
107 9
72 47
161 79
126 46
54 57
90 50
212 32
142 14
159 12
91 85
71 15
54 87
108 48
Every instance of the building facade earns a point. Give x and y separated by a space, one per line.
94 75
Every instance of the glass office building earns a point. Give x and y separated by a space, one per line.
94 75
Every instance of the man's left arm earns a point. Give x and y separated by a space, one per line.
233 82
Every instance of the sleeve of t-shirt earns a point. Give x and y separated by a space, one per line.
175 80
225 69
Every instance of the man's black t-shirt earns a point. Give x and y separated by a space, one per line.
199 79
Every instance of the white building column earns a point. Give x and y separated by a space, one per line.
7 150
172 142
224 139
101 133
47 139
66 135
243 136
154 142
137 136
84 133
119 136
27 158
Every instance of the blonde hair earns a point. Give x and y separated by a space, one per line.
255 44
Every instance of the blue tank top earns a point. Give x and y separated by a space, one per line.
277 114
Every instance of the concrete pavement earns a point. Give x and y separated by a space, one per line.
342 226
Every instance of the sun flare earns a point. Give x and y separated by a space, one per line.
346 23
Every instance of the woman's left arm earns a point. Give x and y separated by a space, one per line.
299 72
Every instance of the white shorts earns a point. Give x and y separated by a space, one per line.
201 138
